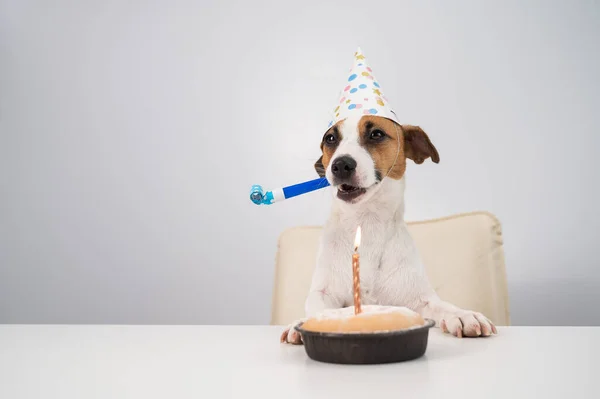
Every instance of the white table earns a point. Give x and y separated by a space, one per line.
248 361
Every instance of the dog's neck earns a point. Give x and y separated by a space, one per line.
385 202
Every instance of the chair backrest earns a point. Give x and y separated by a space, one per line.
463 256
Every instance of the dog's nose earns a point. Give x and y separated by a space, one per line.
343 167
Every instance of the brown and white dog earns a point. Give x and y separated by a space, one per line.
364 159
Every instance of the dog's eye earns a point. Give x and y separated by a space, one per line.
376 135
330 139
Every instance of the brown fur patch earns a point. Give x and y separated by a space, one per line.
414 144
384 152
418 146
327 150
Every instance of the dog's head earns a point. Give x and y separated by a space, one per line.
360 151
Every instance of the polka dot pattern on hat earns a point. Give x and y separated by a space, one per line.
362 93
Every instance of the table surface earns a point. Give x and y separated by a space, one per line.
69 361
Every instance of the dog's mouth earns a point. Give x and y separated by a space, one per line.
349 193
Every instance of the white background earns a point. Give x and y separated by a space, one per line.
131 132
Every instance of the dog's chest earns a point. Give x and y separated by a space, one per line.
385 258
387 269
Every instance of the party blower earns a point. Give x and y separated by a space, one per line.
259 197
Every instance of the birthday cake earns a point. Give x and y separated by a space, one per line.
372 319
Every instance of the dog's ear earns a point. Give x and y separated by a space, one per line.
417 145
319 167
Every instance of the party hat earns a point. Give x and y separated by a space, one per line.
362 94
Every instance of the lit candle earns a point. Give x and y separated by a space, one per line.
356 272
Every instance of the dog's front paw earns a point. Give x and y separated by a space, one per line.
290 335
468 324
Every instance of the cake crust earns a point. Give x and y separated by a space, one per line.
372 319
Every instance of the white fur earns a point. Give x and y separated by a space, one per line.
391 271
364 175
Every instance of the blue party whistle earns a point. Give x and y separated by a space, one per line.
259 197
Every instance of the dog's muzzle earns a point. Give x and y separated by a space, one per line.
344 171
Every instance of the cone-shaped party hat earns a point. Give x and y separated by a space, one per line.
361 94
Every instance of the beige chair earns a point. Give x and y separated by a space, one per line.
463 256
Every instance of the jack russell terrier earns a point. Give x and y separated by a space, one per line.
364 159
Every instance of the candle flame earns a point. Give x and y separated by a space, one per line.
357 239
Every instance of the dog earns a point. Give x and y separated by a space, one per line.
364 158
